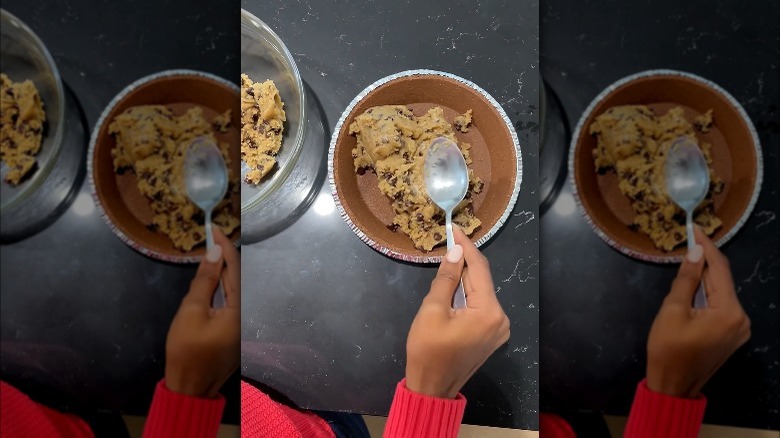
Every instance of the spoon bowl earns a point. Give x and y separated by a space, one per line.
446 175
687 179
446 181
205 174
686 173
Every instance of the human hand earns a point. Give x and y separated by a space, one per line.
445 346
203 345
687 345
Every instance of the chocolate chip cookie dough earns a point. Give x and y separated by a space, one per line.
262 123
152 141
633 141
393 142
21 127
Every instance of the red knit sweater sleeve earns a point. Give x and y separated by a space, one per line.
261 417
421 416
554 426
22 417
175 415
654 415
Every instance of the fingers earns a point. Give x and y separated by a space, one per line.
447 278
231 277
688 278
477 278
718 273
205 281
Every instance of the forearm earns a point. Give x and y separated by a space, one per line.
421 416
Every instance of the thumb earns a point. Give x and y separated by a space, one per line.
688 278
206 279
447 278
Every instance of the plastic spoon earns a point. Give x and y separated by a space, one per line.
206 181
446 180
687 182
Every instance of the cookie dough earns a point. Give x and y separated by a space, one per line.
633 141
262 124
21 127
393 142
463 121
152 142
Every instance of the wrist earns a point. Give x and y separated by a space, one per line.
430 388
670 387
179 384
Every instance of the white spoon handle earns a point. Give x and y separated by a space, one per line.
700 299
459 299
218 301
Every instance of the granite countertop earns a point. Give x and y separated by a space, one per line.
596 304
324 316
84 318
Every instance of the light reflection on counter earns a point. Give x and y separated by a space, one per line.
83 205
324 205
565 205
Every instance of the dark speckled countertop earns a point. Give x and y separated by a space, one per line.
324 316
84 317
596 304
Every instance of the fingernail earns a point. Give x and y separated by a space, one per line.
213 254
695 254
454 254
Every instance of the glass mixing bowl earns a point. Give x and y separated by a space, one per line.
23 56
264 56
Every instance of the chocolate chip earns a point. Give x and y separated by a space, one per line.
361 170
437 236
393 227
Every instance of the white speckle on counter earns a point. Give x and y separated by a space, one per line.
766 216
527 216
522 275
762 275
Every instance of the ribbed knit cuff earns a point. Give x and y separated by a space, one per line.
420 416
177 415
656 415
